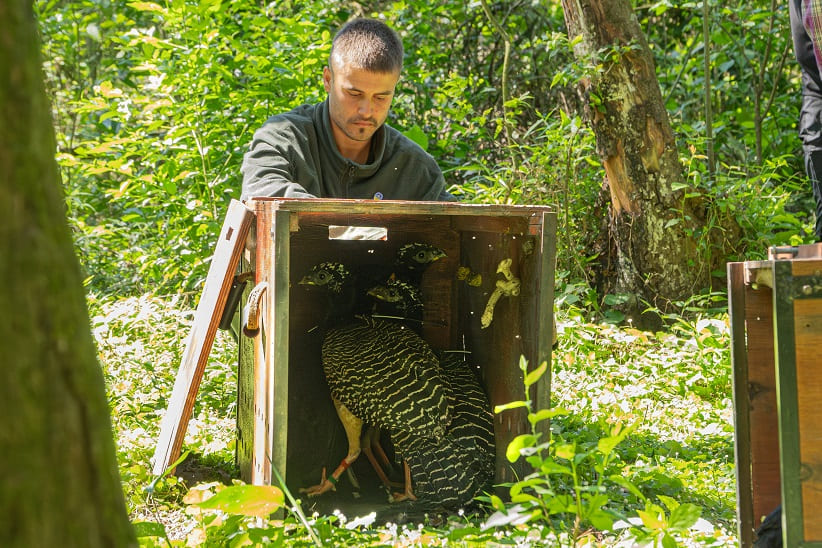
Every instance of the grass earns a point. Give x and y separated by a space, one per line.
664 398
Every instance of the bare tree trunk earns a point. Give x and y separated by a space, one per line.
60 482
651 253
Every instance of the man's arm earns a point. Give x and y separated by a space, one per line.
438 191
446 196
267 171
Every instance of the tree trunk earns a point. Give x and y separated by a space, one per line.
61 485
651 252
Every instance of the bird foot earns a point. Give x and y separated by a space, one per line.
408 492
399 497
325 485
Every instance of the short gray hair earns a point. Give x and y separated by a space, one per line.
368 44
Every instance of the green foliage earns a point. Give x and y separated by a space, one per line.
639 427
569 479
581 483
155 104
163 100
245 500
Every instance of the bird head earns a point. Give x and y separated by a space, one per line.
418 255
401 295
329 276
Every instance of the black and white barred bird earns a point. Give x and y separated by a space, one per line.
399 300
384 374
398 293
471 463
447 474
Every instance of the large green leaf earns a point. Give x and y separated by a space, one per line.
247 500
516 446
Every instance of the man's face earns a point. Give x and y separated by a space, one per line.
358 101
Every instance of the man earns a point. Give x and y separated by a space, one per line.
806 29
342 148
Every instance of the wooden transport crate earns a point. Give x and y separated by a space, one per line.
776 326
286 421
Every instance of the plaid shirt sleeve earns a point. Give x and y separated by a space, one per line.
812 19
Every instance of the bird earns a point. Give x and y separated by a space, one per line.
334 280
381 373
399 300
346 297
472 419
448 473
462 464
413 259
398 295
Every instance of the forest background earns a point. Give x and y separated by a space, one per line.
155 103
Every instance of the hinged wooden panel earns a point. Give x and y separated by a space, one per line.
227 253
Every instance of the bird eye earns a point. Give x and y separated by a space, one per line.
421 255
321 276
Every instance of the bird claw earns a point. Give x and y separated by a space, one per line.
400 497
323 487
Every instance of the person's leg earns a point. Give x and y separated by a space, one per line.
809 125
813 167
810 131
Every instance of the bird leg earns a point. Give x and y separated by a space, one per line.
371 445
353 431
376 447
408 493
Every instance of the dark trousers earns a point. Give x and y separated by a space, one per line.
813 167
810 116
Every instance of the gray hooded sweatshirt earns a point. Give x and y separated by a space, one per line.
294 155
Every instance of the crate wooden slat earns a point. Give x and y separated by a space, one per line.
756 421
798 311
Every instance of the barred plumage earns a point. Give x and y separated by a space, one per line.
472 421
452 471
387 376
413 260
399 299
